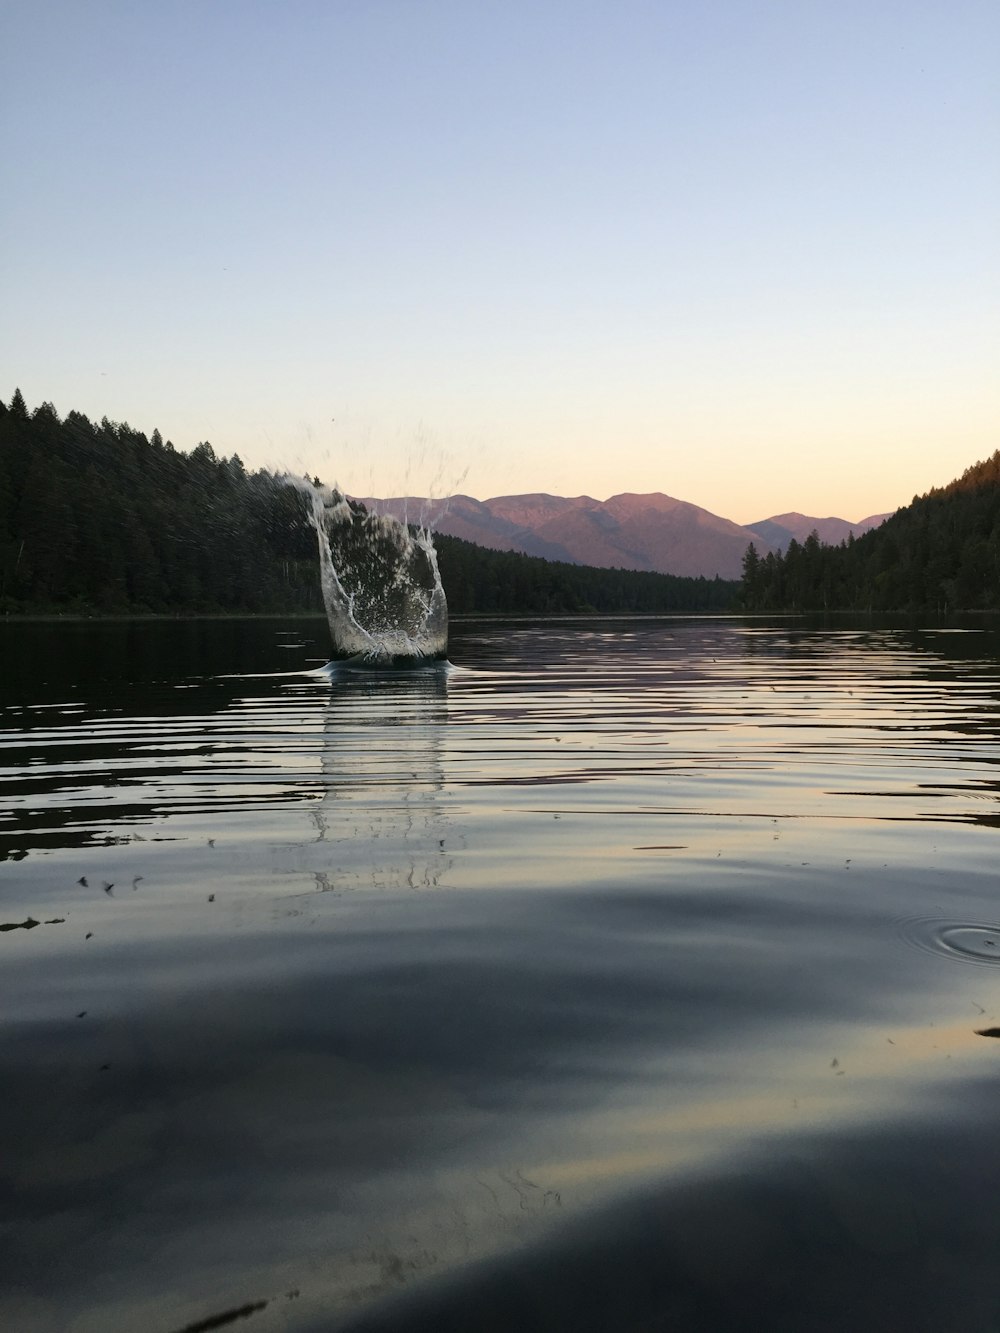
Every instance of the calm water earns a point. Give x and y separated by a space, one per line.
630 975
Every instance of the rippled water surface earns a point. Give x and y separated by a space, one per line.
626 975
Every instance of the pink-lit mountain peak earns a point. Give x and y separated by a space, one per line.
649 531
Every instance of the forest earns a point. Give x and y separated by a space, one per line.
940 553
99 519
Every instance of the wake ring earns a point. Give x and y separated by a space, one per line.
961 941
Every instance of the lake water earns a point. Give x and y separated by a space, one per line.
630 975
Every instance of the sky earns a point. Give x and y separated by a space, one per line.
743 253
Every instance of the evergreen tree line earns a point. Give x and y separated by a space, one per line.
98 518
478 579
940 553
101 519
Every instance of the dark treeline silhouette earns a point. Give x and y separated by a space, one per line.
940 553
101 519
98 518
477 579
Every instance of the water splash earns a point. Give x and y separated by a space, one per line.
381 584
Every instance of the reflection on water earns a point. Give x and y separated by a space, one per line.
379 820
608 980
966 942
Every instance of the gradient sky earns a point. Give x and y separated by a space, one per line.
743 253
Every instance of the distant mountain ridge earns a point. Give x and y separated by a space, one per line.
779 530
645 532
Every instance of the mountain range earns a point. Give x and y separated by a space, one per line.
650 532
